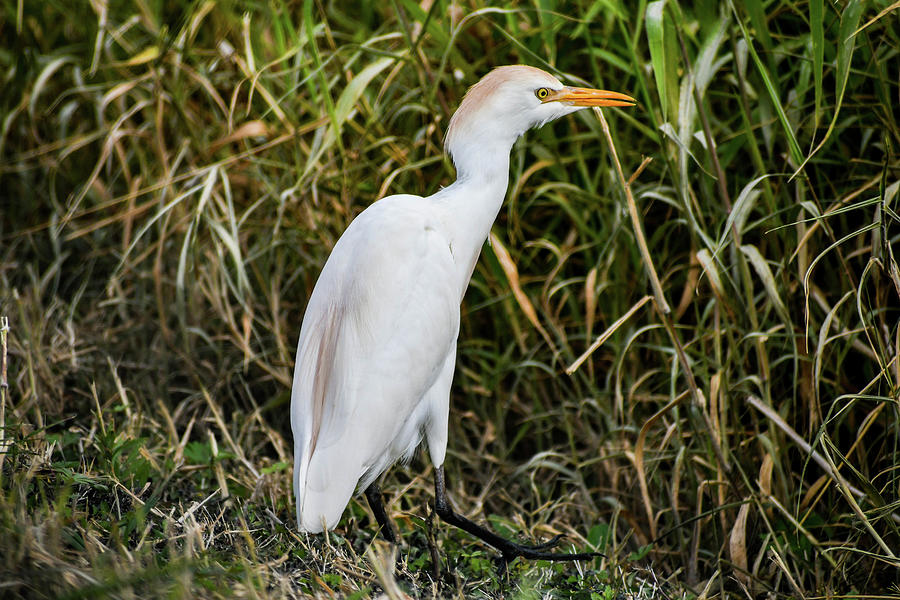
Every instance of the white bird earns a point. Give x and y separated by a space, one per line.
377 348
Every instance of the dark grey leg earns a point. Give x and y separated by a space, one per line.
373 495
509 550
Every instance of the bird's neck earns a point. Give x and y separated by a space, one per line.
473 201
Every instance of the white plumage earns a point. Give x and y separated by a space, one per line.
377 348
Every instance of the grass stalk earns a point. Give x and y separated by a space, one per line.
662 306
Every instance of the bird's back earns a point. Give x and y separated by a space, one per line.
378 329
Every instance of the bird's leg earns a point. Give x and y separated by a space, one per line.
509 549
373 495
432 547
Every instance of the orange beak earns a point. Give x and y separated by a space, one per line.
589 97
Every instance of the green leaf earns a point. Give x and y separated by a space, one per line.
345 105
816 22
656 41
198 453
768 280
670 133
793 145
757 15
745 202
354 90
279 466
847 44
640 553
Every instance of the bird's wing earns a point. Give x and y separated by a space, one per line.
381 321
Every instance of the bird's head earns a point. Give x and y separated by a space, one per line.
512 99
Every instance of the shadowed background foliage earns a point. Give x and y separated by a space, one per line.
173 175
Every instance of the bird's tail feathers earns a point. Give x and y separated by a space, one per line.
322 493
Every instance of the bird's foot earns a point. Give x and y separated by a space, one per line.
552 543
510 551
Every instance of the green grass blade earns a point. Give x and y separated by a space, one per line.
655 39
345 105
744 204
757 16
847 36
849 22
816 23
768 280
791 138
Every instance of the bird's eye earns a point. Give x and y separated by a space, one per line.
542 93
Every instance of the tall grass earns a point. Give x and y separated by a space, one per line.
173 176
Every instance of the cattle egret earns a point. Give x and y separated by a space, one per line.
377 347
